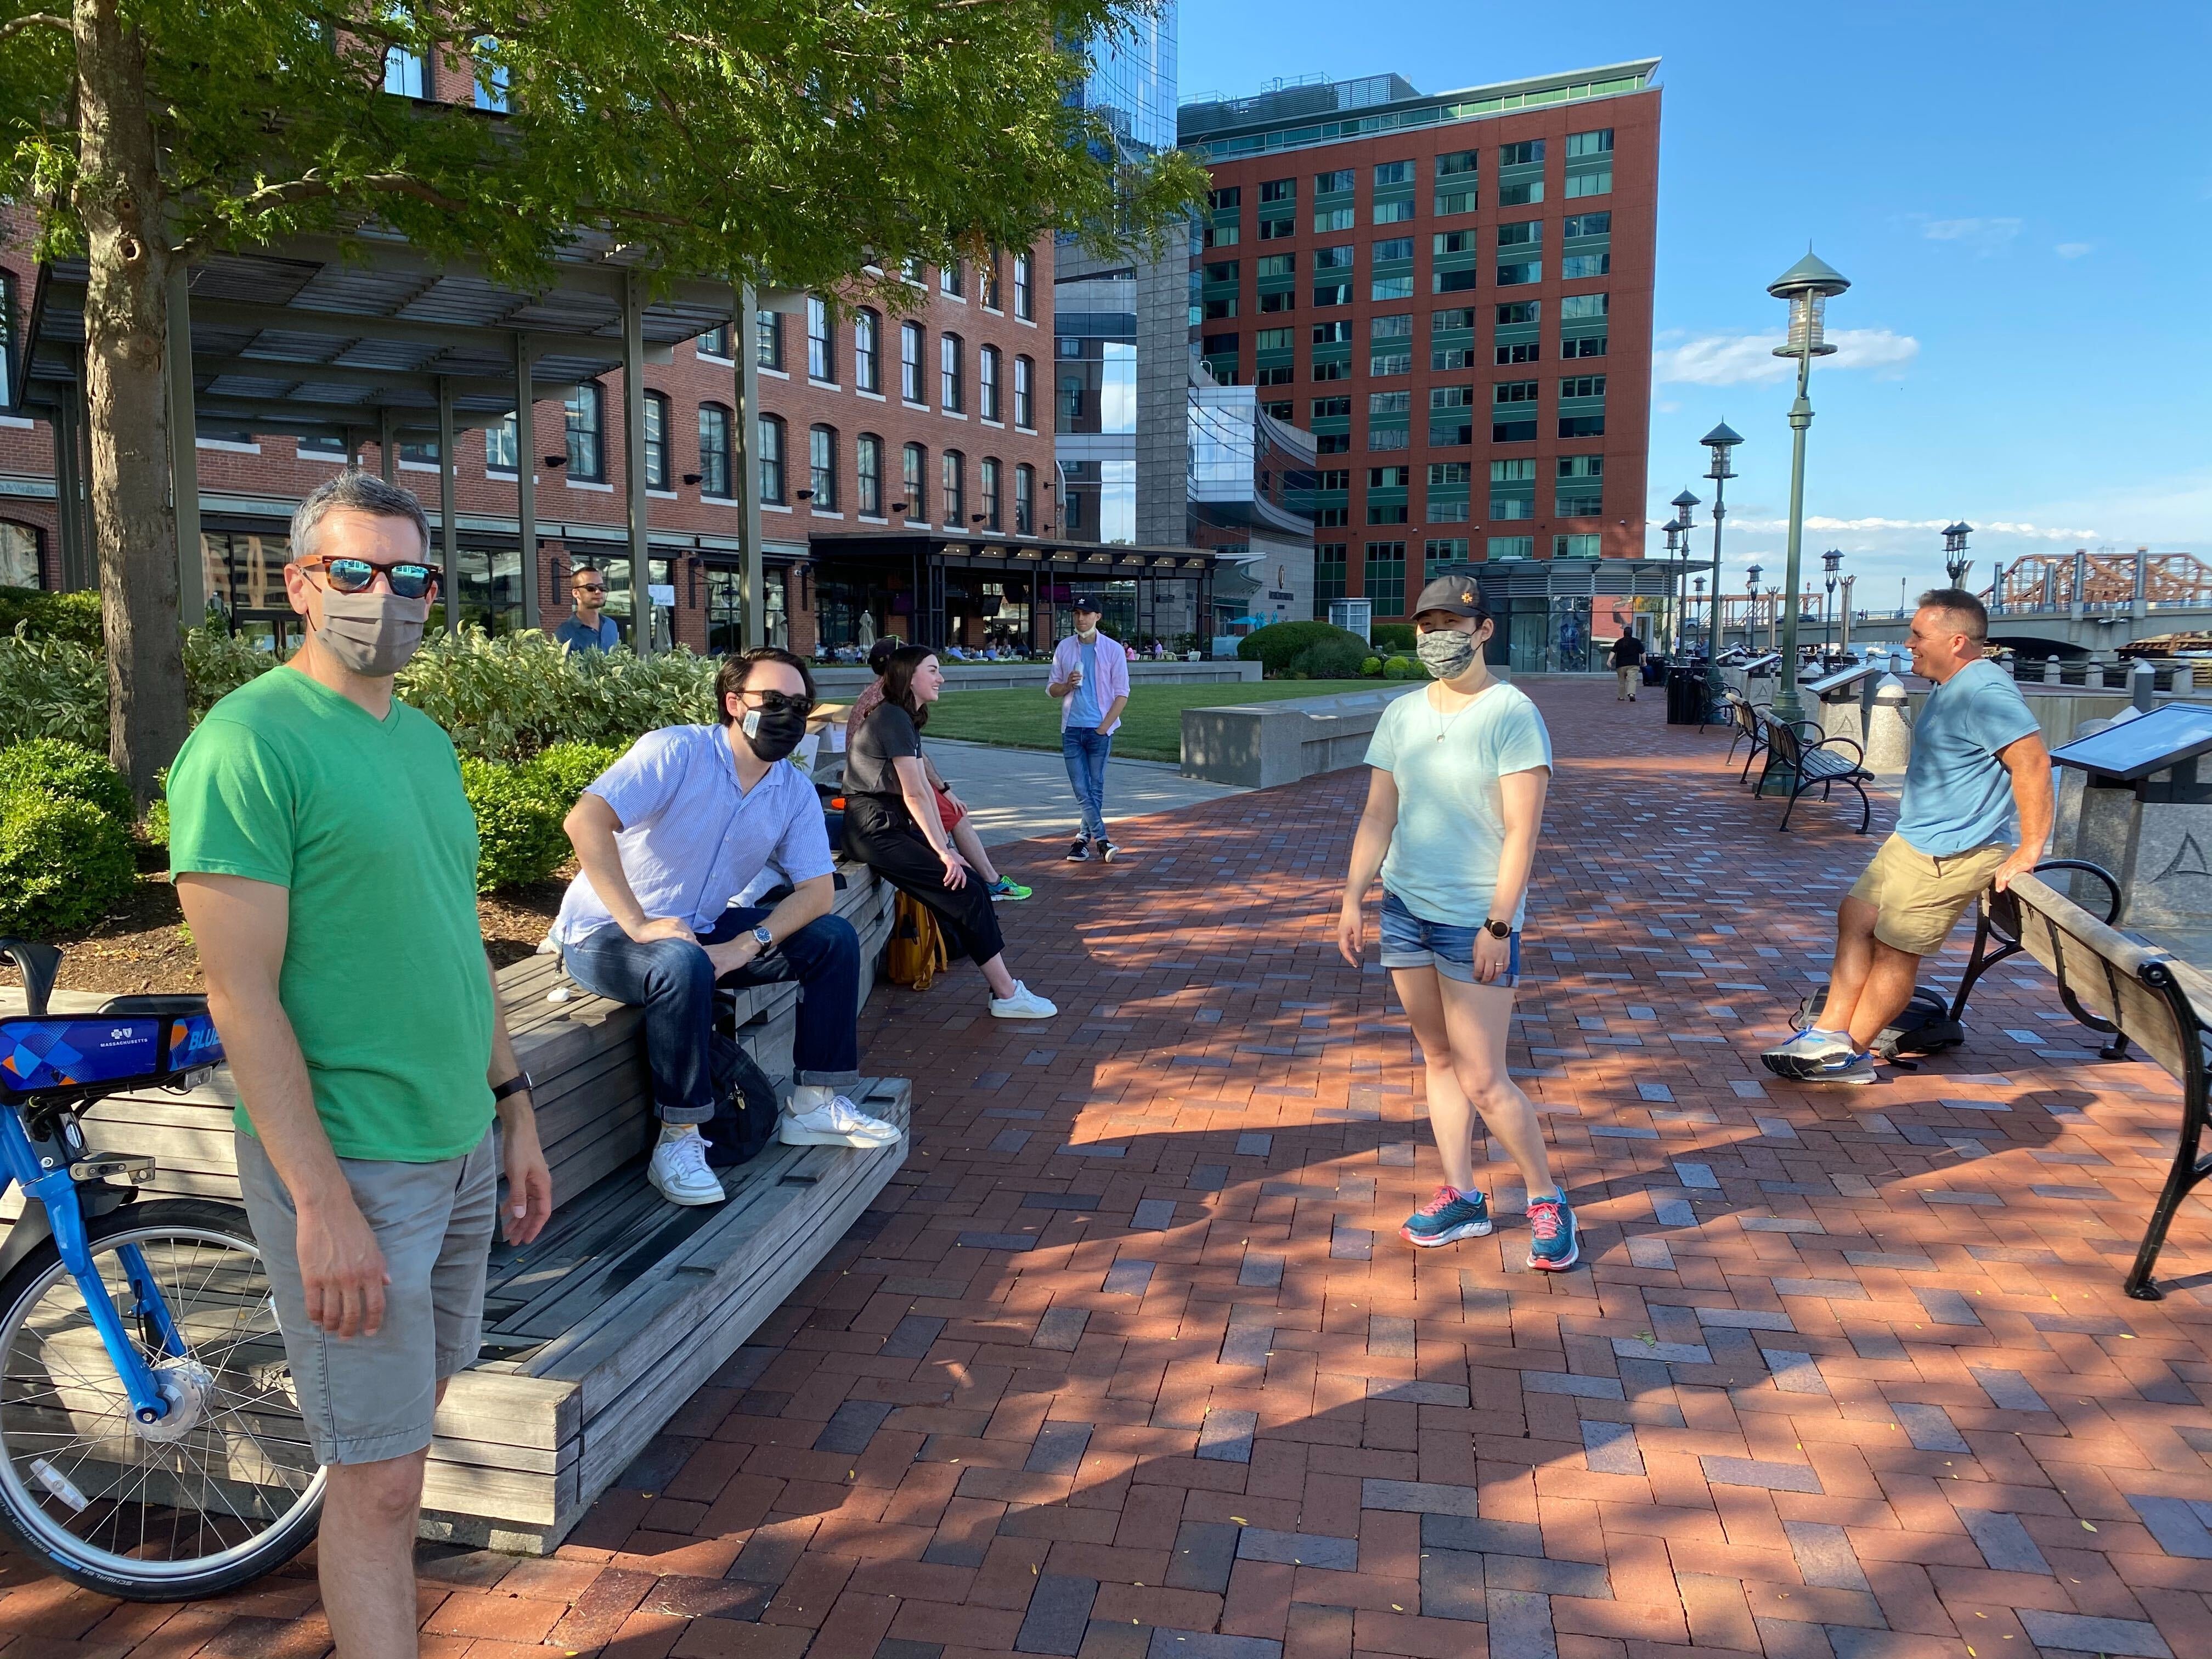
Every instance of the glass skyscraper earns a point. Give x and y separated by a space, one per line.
1131 84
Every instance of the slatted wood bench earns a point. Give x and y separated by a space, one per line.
2116 984
1814 763
597 1332
1743 717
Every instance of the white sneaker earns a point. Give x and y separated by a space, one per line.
1024 1004
836 1123
678 1171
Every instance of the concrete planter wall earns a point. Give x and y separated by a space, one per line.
843 684
1259 745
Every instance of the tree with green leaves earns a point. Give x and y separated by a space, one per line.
785 141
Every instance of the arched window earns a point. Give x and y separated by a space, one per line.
656 440
988 277
1025 500
987 382
953 278
822 467
588 433
1024 393
771 459
956 490
951 394
867 351
910 362
713 450
987 481
917 485
868 476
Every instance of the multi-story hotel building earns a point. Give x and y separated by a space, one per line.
1454 293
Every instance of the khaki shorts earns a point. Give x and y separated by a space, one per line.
1920 897
369 1397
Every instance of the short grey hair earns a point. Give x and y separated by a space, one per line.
353 491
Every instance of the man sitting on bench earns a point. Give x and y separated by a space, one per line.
1977 810
668 836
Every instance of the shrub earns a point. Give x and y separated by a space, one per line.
564 771
52 688
1277 647
1331 659
519 837
71 617
63 770
1400 668
1392 639
218 662
506 698
1370 666
64 864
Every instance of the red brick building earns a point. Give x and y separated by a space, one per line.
1454 293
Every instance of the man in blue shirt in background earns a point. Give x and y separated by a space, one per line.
1090 676
1977 810
591 628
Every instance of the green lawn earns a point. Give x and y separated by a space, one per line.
1151 728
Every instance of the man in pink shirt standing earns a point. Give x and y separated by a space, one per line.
1090 678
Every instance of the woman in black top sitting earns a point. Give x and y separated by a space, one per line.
893 824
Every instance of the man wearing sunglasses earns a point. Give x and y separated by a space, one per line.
668 837
326 858
591 628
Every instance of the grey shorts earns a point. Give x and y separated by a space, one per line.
369 1397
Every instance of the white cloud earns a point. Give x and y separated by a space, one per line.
1982 235
2073 250
1739 358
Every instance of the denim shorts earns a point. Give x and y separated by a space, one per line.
1412 941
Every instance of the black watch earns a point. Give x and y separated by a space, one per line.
1498 929
519 1084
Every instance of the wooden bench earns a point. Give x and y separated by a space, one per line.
597 1332
1743 719
1813 762
2113 983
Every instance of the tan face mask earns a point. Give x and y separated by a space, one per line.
372 635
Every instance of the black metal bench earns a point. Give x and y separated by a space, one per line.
1746 722
2143 997
1813 762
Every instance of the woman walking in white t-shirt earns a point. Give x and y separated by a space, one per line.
1455 804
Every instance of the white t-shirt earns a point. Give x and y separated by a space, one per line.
1442 861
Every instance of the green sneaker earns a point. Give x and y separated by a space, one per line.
1005 888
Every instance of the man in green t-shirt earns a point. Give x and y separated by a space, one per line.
326 858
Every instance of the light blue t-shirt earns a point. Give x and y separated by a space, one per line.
1442 861
1086 711
1958 794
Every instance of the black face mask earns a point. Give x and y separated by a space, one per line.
773 733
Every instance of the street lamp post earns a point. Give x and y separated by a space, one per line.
1807 286
1832 561
1698 603
1955 562
1685 515
1672 528
1722 443
1751 612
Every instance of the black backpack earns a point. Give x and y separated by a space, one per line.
1924 1027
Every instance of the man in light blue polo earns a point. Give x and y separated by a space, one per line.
1090 676
591 628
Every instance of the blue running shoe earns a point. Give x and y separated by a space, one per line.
1805 1054
1845 1068
1554 1241
1449 1217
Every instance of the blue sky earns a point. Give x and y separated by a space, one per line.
2019 194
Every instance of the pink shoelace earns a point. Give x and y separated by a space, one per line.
1547 1219
1444 1197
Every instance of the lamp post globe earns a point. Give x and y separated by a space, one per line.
1806 286
1720 468
1751 612
1830 562
1955 562
1673 531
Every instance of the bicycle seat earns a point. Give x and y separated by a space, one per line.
128 1043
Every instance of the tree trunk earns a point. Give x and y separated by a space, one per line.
119 199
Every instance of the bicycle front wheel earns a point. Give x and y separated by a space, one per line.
226 1488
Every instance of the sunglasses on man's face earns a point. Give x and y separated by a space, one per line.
591 593
408 581
781 703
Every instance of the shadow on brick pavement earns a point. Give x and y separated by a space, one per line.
1130 1363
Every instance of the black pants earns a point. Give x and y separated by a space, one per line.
881 834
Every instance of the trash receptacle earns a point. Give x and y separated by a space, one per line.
1655 669
1686 693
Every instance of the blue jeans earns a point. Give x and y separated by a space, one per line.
674 982
1412 941
1085 749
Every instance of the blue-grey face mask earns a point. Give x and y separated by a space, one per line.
1446 654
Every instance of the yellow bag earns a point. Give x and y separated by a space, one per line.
917 948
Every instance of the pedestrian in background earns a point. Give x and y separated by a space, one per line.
1090 676
1627 667
591 628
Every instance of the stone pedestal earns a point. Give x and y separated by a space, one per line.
1888 731
2155 836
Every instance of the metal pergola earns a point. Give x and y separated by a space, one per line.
368 339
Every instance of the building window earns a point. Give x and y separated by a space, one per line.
953 467
1024 393
1590 143
910 362
1577 307
987 483
1520 155
1394 213
1024 296
771 459
868 476
1582 385
1440 551
1328 576
987 382
1512 547
951 394
953 278
1385 584
1587 224
1591 345
822 467
1582 426
1025 500
1393 172
19 555
1330 219
501 445
1391 288
1330 184
713 450
403 76
1577 547
768 350
656 440
1519 273
1527 351
821 354
491 79
988 290
1455 164
1574 267
1453 282
1227 196
1589 181
1279 190
1531 311
588 433
867 351
916 468
715 342
1513 391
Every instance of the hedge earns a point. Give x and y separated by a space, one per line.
63 770
1392 639
1276 646
64 864
74 617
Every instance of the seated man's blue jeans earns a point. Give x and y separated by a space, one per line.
1085 749
674 982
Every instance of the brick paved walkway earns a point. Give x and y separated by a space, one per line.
1132 1365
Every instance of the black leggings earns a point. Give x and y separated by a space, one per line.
882 836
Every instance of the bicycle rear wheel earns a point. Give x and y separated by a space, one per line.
223 1489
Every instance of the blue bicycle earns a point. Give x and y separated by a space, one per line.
151 1446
